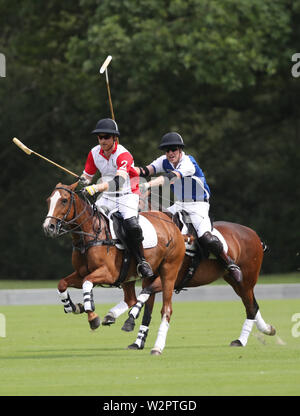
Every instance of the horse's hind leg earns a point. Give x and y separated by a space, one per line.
253 316
262 326
139 343
123 306
134 313
73 280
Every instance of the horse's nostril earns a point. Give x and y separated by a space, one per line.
49 229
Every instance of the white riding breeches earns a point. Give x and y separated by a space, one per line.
127 204
198 212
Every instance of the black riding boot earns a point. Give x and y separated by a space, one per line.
214 245
134 240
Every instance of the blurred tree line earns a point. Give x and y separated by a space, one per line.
218 72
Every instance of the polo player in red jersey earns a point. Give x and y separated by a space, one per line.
119 184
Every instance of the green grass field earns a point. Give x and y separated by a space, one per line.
48 353
37 284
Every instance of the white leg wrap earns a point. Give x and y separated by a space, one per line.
162 335
87 286
120 308
261 325
135 311
64 297
141 300
143 297
87 295
247 328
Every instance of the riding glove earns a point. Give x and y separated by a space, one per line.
92 189
83 181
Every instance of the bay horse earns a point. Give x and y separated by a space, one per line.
247 250
97 261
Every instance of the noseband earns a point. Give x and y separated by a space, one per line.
62 222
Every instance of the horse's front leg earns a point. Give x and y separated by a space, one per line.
73 280
123 306
101 275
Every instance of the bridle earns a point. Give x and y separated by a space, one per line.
71 226
63 225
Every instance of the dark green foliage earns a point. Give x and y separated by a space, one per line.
218 72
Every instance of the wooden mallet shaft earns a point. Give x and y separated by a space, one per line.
29 151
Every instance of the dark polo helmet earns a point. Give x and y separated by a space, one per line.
171 139
107 125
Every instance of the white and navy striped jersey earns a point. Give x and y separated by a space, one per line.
192 186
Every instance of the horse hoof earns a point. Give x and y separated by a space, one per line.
108 320
95 323
134 346
155 351
236 343
79 308
129 324
272 330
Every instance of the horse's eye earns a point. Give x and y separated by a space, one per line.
64 201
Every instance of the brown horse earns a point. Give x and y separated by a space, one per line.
97 260
245 247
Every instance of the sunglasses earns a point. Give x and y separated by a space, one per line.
104 136
171 148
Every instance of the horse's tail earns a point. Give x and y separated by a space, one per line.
265 247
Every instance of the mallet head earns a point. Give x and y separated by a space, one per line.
22 146
105 64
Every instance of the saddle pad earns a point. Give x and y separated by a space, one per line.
149 233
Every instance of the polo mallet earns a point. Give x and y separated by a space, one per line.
102 69
29 151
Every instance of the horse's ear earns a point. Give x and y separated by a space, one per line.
74 185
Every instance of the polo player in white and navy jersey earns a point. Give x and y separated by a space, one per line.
119 184
192 192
